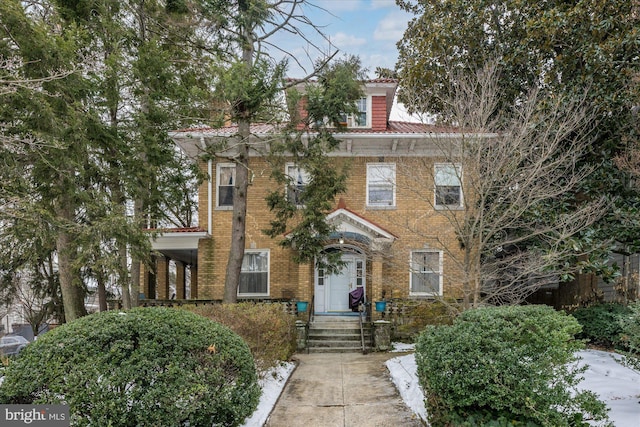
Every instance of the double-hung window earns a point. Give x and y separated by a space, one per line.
426 273
360 118
254 275
298 180
226 180
448 183
381 184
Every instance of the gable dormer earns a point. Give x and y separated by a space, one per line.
381 92
374 108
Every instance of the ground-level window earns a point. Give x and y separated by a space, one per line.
381 184
226 180
426 273
298 180
254 276
448 178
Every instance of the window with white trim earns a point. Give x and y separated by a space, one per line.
254 275
298 180
448 191
360 118
381 184
426 273
226 180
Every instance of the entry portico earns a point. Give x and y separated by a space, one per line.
361 244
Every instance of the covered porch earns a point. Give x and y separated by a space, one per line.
174 274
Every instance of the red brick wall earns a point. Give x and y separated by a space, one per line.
379 112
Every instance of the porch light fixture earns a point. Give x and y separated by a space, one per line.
341 239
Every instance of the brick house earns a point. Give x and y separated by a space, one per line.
392 236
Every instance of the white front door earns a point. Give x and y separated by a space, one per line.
340 284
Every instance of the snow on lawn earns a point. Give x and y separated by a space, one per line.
615 384
272 383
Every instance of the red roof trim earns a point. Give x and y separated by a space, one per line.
178 230
342 205
392 128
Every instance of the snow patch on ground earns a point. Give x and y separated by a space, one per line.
272 383
403 374
616 385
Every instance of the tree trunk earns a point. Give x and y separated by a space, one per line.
102 292
70 286
238 222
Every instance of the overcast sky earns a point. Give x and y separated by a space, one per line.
367 28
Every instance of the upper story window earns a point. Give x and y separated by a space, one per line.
360 118
426 273
254 274
298 180
226 180
448 191
381 184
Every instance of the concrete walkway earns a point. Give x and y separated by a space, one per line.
341 390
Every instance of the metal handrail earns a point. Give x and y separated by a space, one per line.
361 308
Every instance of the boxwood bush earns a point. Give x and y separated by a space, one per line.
504 366
630 334
601 323
142 367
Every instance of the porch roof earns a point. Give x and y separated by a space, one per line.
348 221
180 244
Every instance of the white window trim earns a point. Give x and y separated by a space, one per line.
286 172
435 185
218 167
378 205
268 252
440 273
351 120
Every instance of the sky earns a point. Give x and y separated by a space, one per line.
367 28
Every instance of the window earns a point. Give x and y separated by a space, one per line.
254 275
381 184
426 273
226 178
448 187
298 181
358 119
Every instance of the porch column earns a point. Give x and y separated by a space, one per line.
181 280
305 282
376 283
145 284
162 268
193 285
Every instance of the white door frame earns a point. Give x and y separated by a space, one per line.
323 284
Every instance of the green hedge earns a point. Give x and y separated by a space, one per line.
630 334
601 323
504 366
143 367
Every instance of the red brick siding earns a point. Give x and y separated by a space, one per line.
379 112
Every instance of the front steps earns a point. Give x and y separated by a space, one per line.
338 334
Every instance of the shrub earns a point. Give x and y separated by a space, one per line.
268 330
630 334
415 316
142 367
504 366
601 323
